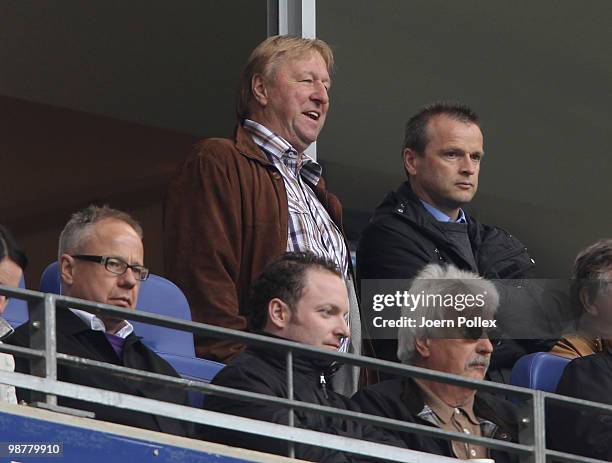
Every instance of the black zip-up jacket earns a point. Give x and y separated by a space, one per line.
264 372
403 237
401 399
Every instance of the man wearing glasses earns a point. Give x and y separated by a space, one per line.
460 346
101 259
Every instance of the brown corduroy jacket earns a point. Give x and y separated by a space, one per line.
225 219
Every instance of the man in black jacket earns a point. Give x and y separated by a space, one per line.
303 298
424 221
581 430
441 339
101 260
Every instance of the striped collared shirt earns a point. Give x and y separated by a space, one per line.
310 226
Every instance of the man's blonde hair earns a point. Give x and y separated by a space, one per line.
266 58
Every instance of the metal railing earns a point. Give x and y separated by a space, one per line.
45 358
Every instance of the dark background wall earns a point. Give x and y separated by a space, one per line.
102 100
538 73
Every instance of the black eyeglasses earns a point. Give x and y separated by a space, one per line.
116 265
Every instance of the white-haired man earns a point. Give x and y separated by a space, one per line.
448 334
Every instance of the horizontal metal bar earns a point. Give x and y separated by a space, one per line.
238 394
262 340
251 426
20 293
22 351
561 456
558 398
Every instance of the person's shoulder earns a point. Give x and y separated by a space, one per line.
20 337
383 399
503 409
215 158
497 234
214 143
395 213
588 377
391 388
246 365
214 149
600 362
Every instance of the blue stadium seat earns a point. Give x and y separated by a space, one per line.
16 312
160 296
541 371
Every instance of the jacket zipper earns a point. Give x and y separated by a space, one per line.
323 384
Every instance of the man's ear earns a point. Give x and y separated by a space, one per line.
278 313
587 303
66 269
410 161
422 347
259 89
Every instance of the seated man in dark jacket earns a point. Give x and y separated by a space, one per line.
303 298
581 430
452 347
101 259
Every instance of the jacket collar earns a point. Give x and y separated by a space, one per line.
408 205
302 363
412 396
70 324
5 329
246 146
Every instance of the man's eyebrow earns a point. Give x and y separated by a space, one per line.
124 260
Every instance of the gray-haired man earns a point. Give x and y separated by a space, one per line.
447 333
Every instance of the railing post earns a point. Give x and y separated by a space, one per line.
532 426
539 425
290 397
43 336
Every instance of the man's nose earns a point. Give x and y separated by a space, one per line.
468 166
128 279
320 93
342 329
484 346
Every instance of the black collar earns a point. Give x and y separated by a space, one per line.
302 362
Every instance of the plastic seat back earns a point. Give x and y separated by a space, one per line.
16 311
540 370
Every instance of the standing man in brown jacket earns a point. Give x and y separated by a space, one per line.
238 204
